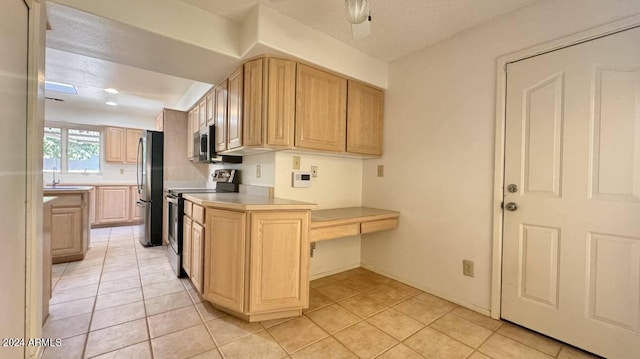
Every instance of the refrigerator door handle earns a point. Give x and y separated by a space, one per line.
139 165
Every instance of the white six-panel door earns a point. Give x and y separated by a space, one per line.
571 249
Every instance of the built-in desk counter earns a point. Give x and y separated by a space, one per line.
345 222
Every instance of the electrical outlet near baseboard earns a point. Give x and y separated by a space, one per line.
467 268
258 171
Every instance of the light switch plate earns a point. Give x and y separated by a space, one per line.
295 163
380 170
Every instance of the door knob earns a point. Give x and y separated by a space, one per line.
511 206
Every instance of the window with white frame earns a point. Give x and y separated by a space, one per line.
71 149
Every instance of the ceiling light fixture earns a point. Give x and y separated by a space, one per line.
110 90
111 103
357 10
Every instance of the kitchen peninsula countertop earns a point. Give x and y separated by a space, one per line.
47 199
246 202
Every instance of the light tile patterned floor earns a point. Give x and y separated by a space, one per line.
123 301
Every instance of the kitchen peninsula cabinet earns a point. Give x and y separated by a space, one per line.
321 110
69 223
256 255
259 271
121 144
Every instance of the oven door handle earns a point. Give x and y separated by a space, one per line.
172 200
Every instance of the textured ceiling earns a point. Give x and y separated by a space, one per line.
141 92
88 51
398 27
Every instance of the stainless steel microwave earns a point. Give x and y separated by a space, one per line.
204 144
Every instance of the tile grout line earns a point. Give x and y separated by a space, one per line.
95 300
144 303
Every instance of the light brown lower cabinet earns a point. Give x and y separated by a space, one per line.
46 260
193 243
256 263
69 227
186 245
116 205
113 204
197 242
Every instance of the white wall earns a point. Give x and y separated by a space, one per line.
267 162
110 172
292 37
339 184
439 148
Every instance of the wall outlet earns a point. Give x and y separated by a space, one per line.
122 171
314 171
467 268
295 163
380 170
258 171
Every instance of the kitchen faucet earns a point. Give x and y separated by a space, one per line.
54 182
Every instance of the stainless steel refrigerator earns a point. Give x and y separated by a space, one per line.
149 182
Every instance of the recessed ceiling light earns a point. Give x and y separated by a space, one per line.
110 90
60 87
111 103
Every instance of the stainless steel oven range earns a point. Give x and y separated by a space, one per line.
226 181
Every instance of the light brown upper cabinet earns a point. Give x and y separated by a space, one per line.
202 119
133 137
121 144
160 122
114 150
321 110
196 121
234 110
274 103
253 112
210 98
269 103
220 115
190 134
365 109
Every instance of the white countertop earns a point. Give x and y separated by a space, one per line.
60 189
245 202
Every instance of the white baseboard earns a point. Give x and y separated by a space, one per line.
334 271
